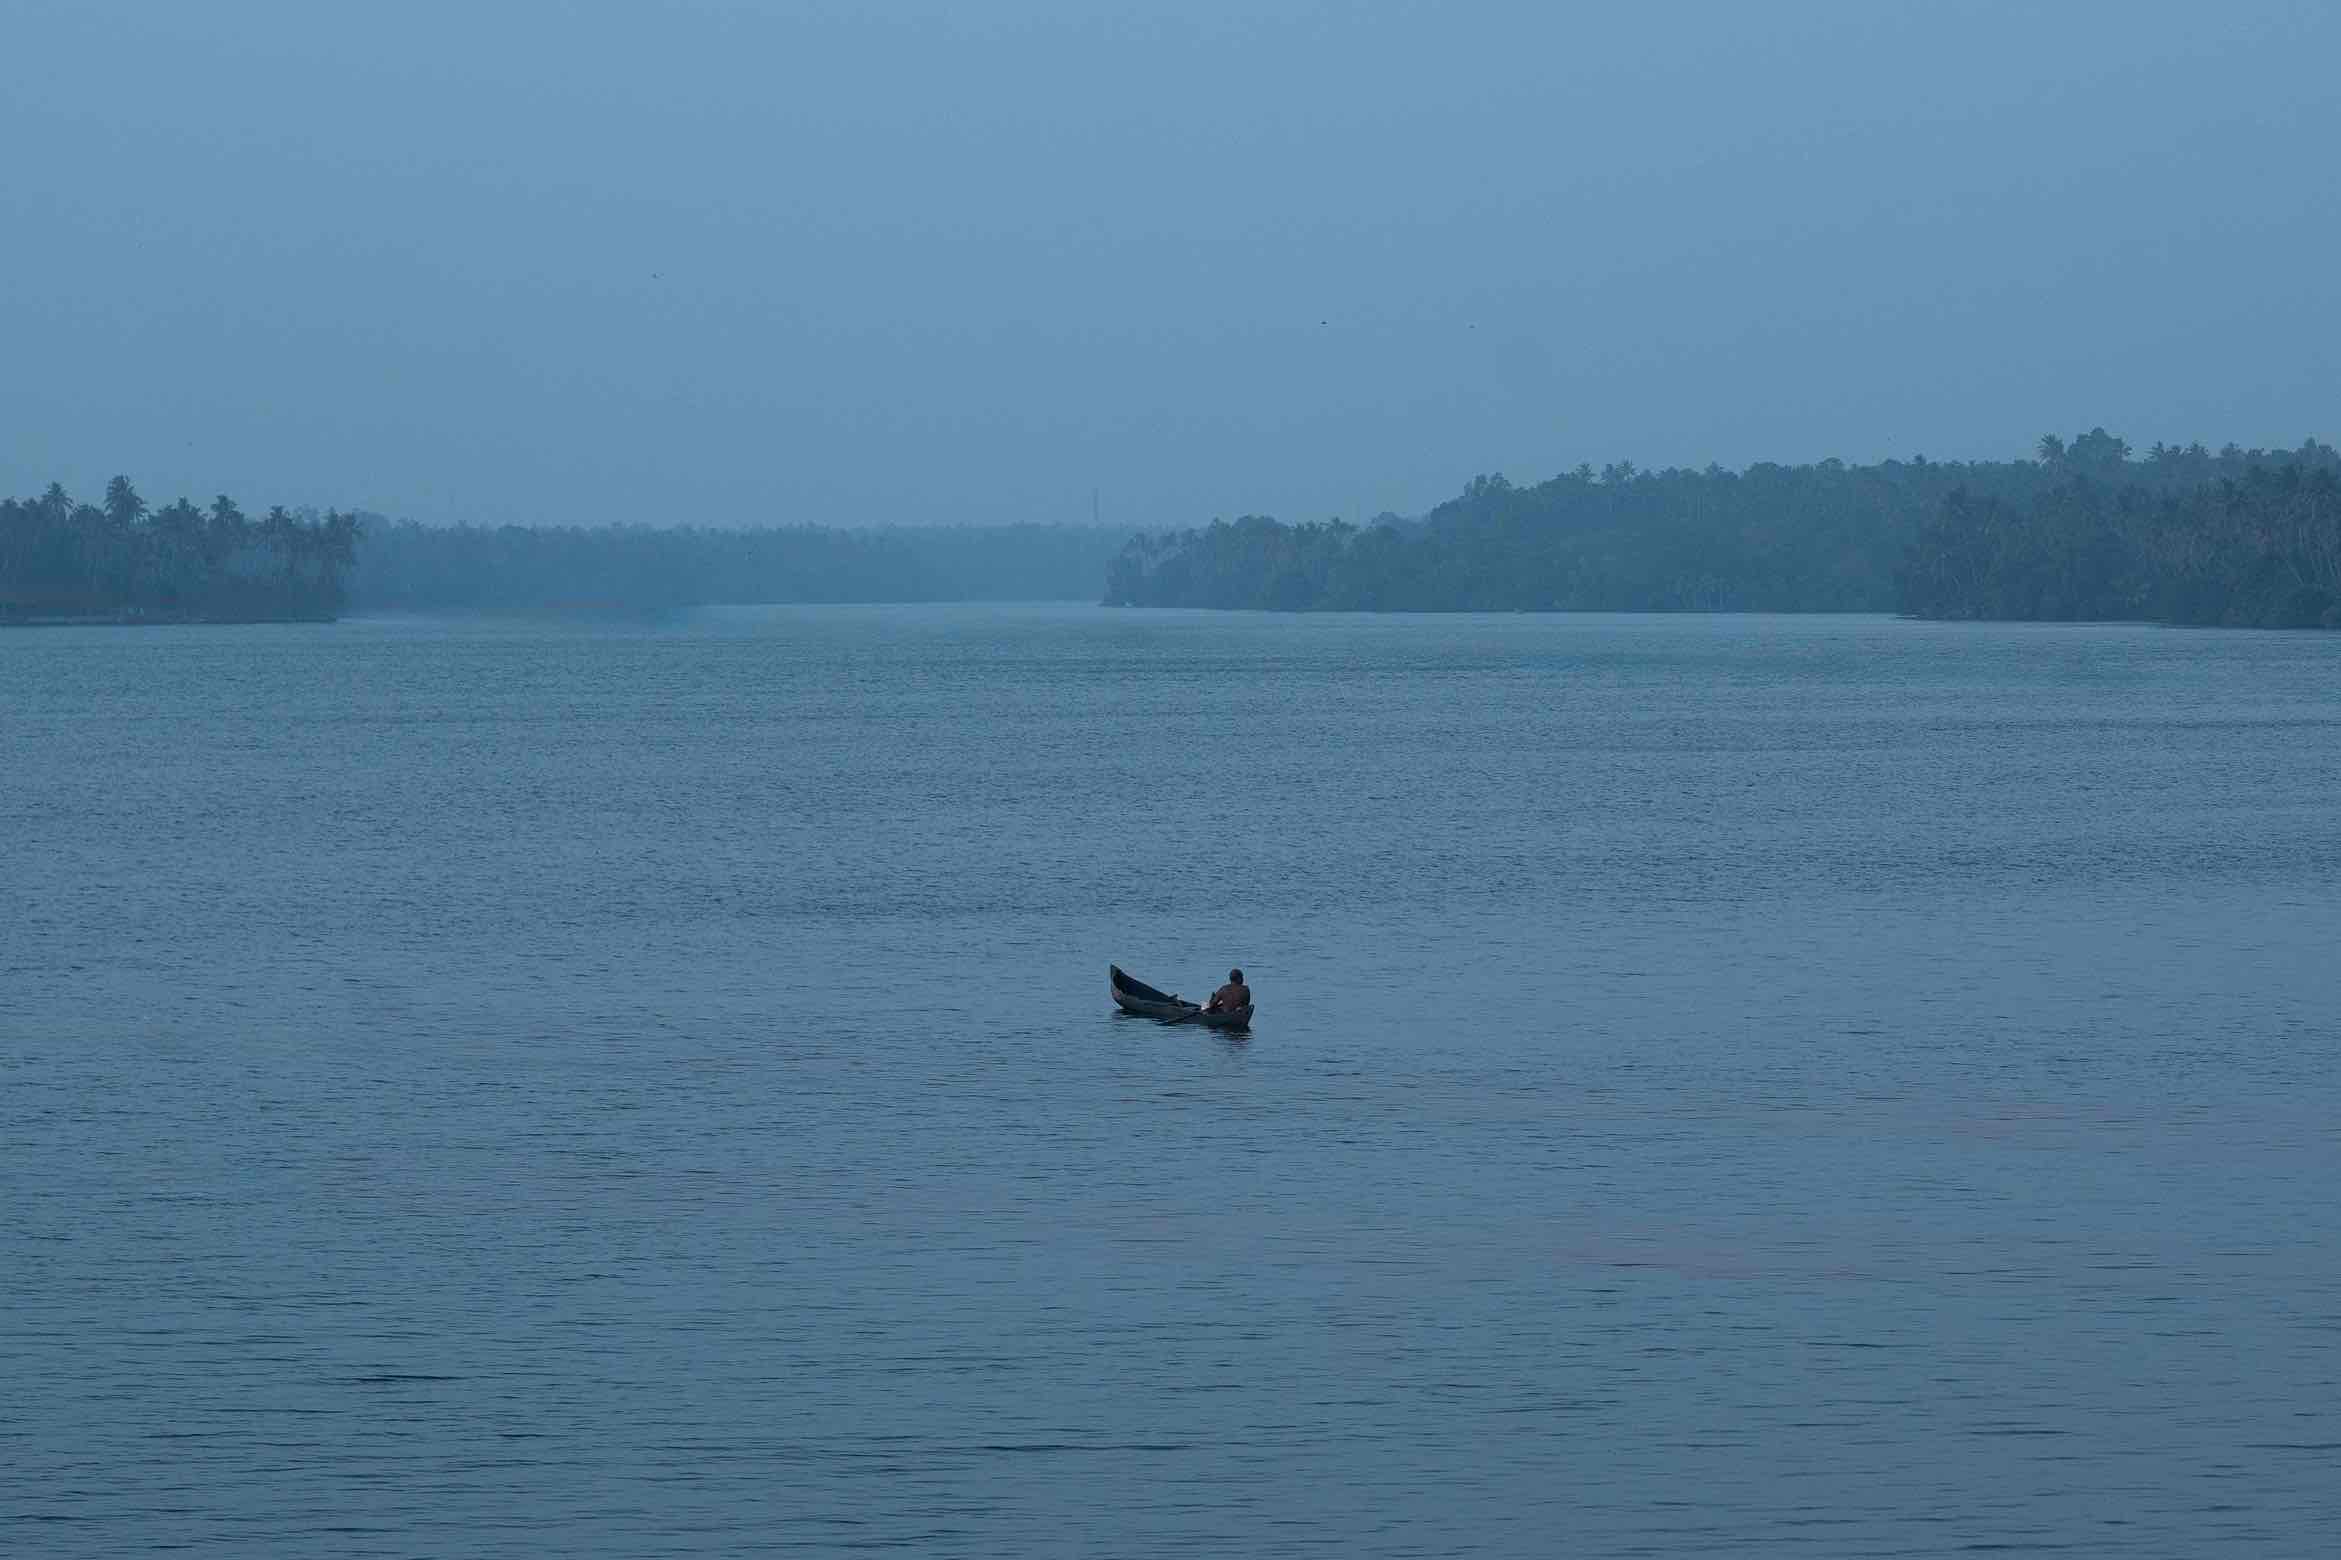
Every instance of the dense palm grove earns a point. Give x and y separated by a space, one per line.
2184 534
120 560
2258 550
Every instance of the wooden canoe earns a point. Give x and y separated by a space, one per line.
1135 996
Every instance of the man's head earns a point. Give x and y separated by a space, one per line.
1235 977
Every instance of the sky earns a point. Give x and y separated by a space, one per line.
853 263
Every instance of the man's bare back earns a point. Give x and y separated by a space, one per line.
1233 996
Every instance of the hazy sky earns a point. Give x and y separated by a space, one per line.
746 260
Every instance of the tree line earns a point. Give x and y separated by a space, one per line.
2261 549
121 560
2083 529
2196 536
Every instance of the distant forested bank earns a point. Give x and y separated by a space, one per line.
2243 537
2083 531
410 567
121 560
2257 550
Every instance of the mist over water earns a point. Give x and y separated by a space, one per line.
1721 1085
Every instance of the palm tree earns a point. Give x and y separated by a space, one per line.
280 533
225 534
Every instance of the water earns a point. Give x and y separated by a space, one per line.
1721 1086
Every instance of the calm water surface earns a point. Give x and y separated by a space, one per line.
1722 1086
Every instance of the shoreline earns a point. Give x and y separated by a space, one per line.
153 620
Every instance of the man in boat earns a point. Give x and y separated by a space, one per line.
1233 997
